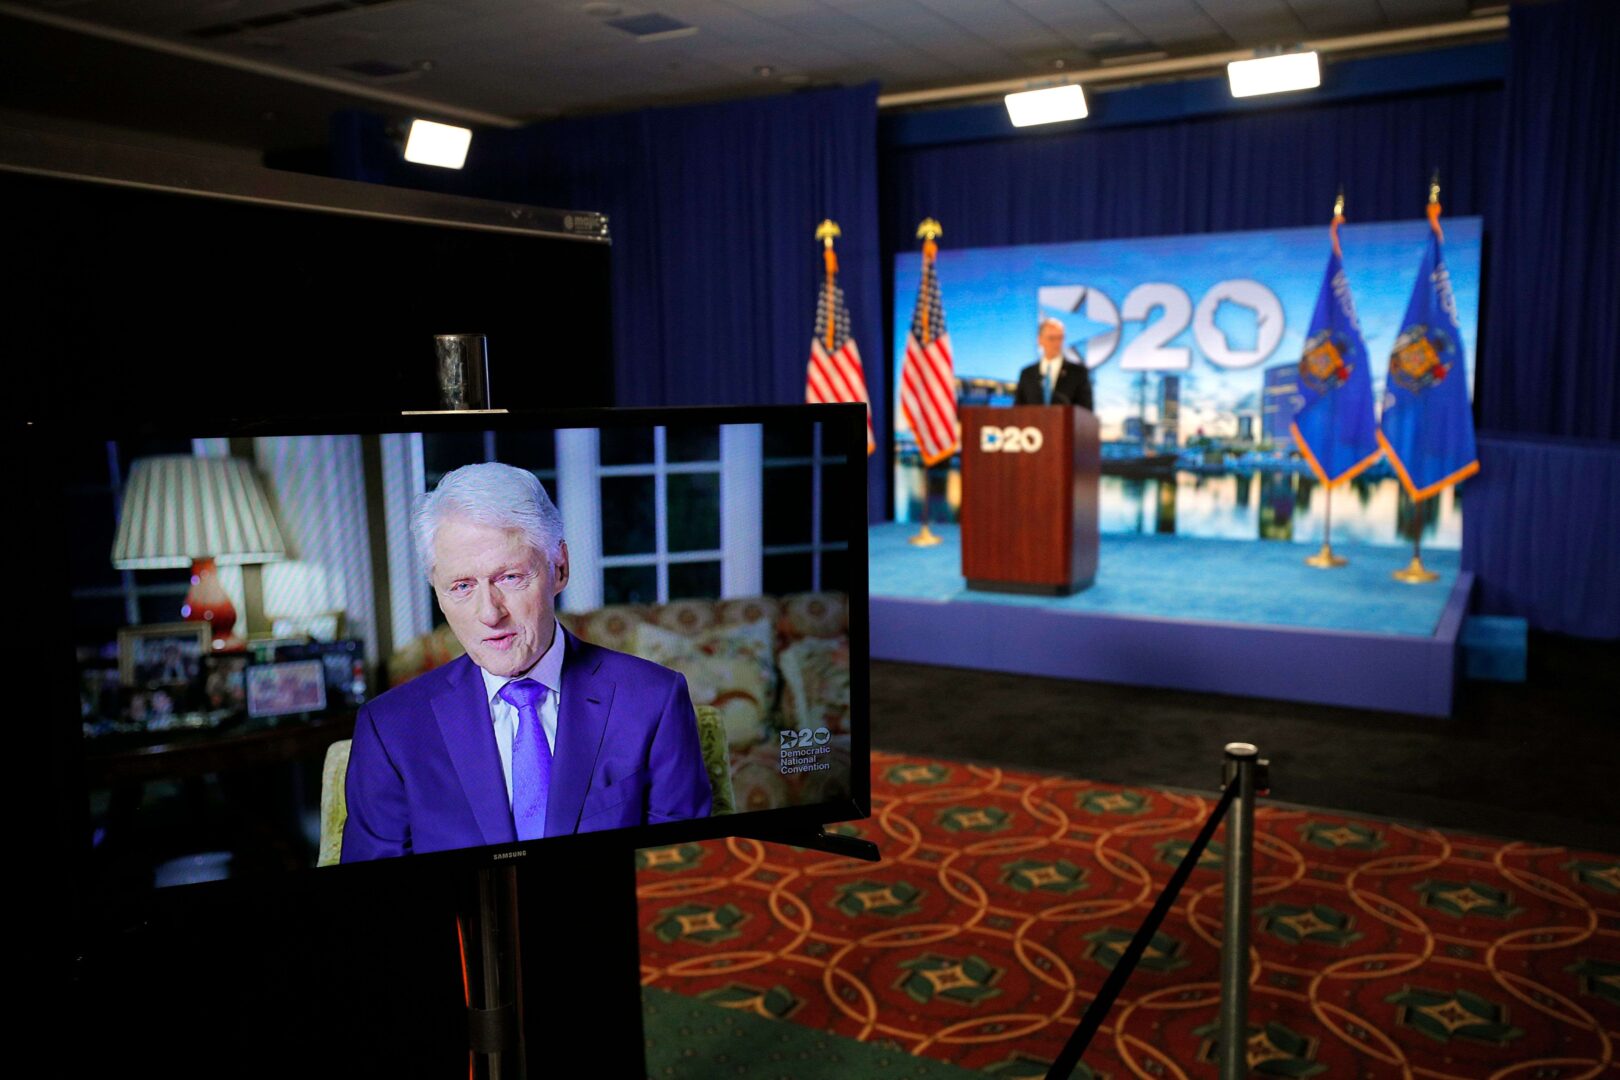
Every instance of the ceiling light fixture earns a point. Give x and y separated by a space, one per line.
444 145
1050 105
1274 74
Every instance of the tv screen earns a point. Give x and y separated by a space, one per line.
461 636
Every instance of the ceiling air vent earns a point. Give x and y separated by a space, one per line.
377 69
288 15
652 27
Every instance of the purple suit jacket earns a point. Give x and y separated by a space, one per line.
425 774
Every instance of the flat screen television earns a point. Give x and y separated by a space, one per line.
713 628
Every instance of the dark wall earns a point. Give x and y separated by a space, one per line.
139 304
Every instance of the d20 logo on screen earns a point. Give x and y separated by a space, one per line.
805 750
1237 323
1011 440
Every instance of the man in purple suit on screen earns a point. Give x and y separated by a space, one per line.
534 732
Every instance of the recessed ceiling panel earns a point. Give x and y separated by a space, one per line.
1255 22
521 58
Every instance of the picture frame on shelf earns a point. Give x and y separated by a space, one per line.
225 681
344 661
162 654
279 689
324 626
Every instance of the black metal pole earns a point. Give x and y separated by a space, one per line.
1242 762
1092 1019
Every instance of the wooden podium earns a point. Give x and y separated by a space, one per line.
1029 498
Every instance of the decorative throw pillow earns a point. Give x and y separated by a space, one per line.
815 684
729 667
422 654
757 780
822 614
684 616
747 609
611 627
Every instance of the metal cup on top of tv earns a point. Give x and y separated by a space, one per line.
463 371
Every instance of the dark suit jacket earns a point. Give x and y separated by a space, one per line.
1073 386
425 774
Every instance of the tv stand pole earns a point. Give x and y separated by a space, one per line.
492 1027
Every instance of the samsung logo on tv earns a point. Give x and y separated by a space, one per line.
510 854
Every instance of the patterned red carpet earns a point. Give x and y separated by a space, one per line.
1003 899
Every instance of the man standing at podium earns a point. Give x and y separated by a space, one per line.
1052 380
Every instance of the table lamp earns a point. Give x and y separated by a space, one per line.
201 512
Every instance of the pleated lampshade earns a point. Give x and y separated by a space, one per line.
181 509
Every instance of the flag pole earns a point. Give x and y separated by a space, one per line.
927 232
1415 573
1325 559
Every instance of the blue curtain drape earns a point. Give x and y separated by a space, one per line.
1263 170
1552 357
1542 520
713 212
1535 551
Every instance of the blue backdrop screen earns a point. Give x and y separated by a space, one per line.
1192 343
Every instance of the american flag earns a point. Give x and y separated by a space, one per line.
928 379
835 363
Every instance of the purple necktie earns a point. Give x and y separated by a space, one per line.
531 758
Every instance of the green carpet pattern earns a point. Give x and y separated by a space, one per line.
688 1039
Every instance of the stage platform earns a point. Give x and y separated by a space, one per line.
1228 616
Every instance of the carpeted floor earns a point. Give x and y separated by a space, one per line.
1529 761
1237 581
1004 898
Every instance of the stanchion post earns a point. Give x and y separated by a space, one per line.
1243 762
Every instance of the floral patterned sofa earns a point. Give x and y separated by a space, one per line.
766 664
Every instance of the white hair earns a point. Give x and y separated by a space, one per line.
493 494
1051 320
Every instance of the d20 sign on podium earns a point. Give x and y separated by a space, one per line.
1029 498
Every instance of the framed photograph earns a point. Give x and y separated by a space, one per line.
298 686
345 664
225 682
326 626
163 654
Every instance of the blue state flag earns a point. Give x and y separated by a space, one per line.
1333 425
1427 428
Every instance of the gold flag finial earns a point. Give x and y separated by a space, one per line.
1338 219
825 233
1434 204
929 230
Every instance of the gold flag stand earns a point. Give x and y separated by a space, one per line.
927 232
1414 572
925 537
1325 559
